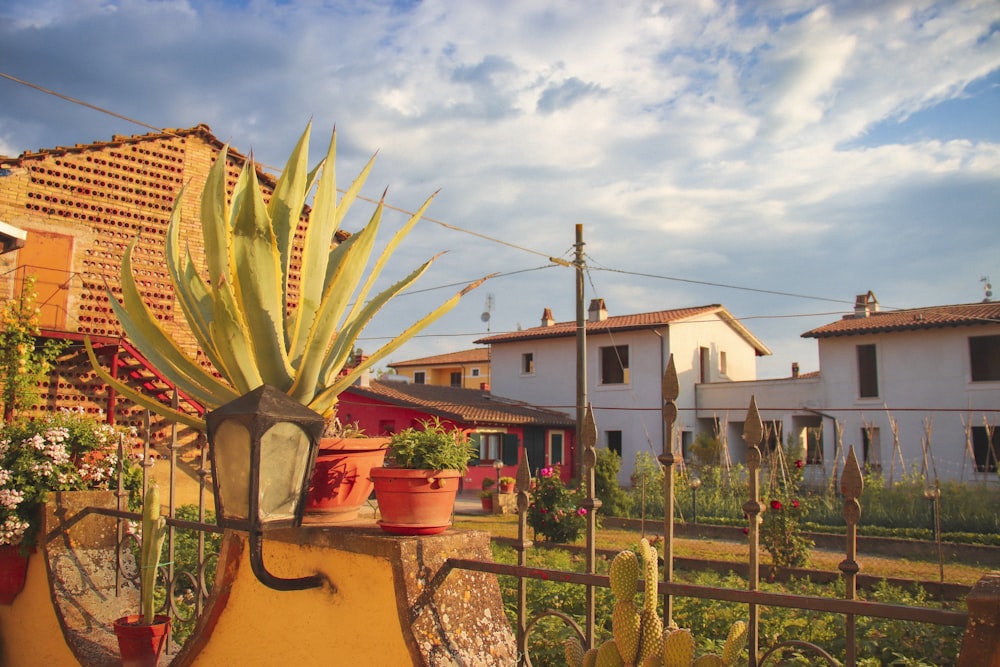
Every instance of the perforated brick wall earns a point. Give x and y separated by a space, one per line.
106 195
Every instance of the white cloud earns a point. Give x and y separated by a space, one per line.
720 141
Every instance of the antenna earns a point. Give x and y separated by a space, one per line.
487 311
987 288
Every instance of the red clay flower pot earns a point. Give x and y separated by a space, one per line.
13 572
140 645
341 481
415 502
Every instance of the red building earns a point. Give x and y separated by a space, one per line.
501 429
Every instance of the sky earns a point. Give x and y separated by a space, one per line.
776 157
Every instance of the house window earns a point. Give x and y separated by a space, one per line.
871 446
497 446
475 372
556 448
984 357
614 365
704 359
723 368
528 363
986 447
419 377
867 372
814 445
489 446
615 442
456 379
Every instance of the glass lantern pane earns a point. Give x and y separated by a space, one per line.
284 454
232 473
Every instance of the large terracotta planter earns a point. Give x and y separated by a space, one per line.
13 572
415 502
341 481
140 645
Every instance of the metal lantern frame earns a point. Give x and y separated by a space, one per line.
259 412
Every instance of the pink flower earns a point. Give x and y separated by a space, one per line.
546 472
582 511
746 531
799 463
776 504
795 503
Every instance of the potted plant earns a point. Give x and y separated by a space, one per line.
507 484
67 450
141 637
267 308
486 494
416 492
341 480
272 304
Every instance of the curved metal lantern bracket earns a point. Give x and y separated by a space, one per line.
280 583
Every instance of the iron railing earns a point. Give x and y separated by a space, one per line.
850 607
189 589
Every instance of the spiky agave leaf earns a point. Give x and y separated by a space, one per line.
324 221
146 333
287 201
325 399
348 260
259 281
136 397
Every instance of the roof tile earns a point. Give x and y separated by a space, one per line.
911 319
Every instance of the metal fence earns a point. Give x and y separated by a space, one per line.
189 588
851 485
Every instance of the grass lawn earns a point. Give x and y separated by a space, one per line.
879 566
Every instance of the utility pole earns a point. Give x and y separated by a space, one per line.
581 354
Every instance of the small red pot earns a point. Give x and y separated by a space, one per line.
341 482
415 502
13 572
140 645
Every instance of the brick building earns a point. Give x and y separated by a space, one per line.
80 207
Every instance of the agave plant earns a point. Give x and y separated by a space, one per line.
250 325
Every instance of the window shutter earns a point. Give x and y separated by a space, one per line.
477 442
509 449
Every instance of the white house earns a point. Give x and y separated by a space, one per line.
915 389
626 357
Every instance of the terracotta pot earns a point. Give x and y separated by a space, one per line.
140 645
506 487
13 572
341 479
487 503
415 502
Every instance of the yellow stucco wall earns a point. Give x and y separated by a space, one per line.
357 624
30 634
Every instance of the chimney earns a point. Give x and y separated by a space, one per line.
795 369
547 320
597 312
865 305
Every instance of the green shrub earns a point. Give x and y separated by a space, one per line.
556 512
614 500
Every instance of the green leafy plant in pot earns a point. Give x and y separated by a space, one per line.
416 492
141 637
275 301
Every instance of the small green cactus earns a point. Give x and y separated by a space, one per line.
639 638
154 531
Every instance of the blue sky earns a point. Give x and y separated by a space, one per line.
775 157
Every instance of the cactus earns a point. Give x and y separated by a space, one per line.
239 306
639 638
154 531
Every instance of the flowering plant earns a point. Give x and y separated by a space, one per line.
63 451
555 511
781 531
